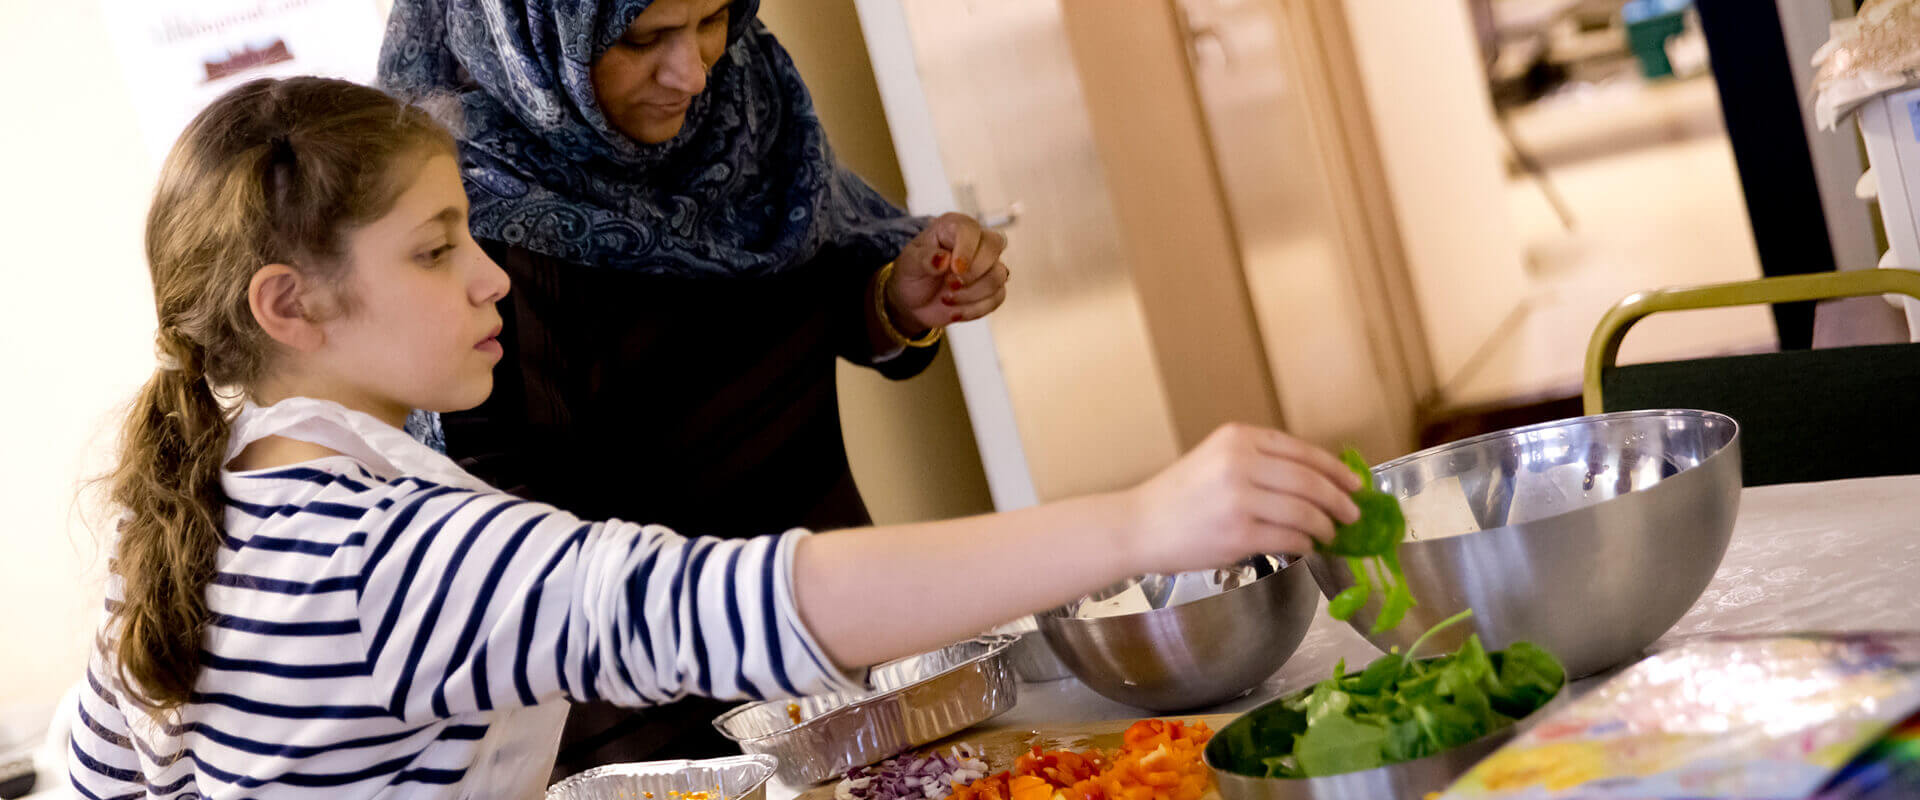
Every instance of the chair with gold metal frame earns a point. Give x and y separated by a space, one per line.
1805 415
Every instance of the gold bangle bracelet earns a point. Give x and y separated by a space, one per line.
886 320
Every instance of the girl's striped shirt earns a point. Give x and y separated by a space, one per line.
369 632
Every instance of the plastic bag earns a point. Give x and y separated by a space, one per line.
1748 717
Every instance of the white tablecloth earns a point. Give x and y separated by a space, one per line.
1843 555
1814 556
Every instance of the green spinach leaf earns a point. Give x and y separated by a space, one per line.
1528 678
1340 744
1371 543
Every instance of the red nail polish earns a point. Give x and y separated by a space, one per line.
960 265
946 301
956 317
939 260
956 285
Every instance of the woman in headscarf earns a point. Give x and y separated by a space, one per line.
688 260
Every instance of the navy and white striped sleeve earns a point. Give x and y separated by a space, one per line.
474 601
101 762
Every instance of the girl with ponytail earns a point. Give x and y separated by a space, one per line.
274 172
305 602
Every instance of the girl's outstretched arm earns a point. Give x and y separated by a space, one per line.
874 594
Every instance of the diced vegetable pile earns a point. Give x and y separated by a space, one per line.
930 777
1157 760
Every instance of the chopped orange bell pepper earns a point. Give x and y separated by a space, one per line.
1030 787
991 787
1158 760
1061 768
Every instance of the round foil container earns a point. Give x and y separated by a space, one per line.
732 778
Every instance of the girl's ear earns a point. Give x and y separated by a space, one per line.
278 296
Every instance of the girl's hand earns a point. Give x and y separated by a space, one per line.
950 273
1246 490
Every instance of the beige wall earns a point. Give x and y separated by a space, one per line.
76 326
1432 126
1174 222
911 444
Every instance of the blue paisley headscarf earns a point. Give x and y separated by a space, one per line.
748 187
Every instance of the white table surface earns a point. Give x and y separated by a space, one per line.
1843 555
1837 556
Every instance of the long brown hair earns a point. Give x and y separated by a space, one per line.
275 171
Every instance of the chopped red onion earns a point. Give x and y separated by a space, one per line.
929 777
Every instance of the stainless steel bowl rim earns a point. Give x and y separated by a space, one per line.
767 763
996 645
1718 454
1069 610
1508 433
1543 426
1207 752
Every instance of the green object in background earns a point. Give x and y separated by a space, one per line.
1805 415
1650 23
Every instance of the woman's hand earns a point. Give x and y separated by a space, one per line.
1246 490
950 273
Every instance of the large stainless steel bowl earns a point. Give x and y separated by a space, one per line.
1182 655
1590 536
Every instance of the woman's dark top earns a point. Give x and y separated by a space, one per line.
709 406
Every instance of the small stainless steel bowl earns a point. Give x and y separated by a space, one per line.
732 778
1032 660
1589 537
1183 655
1409 779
